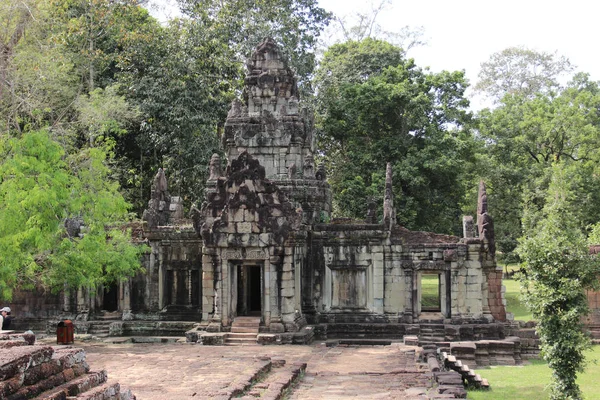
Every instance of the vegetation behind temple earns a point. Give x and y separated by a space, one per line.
105 76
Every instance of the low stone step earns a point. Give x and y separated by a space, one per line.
241 335
75 387
277 381
106 391
241 340
18 359
244 329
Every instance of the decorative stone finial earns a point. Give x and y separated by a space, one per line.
371 213
321 175
309 167
236 109
468 227
389 213
485 224
157 212
159 185
214 168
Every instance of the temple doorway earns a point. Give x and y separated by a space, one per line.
249 293
110 298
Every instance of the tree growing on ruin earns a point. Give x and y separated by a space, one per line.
557 271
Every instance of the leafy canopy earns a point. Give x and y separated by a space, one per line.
521 71
373 107
42 190
557 272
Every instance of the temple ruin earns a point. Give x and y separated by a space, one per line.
263 244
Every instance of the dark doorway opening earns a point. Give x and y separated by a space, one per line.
110 300
249 293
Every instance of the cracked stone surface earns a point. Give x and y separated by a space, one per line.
182 371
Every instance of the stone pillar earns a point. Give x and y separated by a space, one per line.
275 322
208 289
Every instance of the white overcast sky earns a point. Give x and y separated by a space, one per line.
461 34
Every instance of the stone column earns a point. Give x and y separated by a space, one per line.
275 322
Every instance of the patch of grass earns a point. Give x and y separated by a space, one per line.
513 303
531 381
430 291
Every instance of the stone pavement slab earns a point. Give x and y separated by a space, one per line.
185 371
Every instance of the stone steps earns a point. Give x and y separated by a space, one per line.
473 379
58 373
277 381
244 331
240 338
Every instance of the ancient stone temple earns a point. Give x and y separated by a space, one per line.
262 244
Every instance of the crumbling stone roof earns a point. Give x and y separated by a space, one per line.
406 236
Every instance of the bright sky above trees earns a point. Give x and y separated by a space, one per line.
462 34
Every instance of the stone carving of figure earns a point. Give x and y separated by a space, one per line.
235 110
214 168
320 174
468 227
158 206
309 166
371 213
485 224
292 171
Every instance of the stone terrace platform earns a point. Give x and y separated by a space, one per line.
184 371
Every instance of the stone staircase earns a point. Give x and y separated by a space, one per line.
244 331
469 376
100 327
276 382
45 372
432 333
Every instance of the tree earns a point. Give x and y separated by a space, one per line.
374 106
521 71
242 24
363 25
557 271
59 218
524 136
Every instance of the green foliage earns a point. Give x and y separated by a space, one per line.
524 137
521 71
375 107
41 188
557 271
530 381
242 24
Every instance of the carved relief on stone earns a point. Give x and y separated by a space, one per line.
309 167
320 174
292 171
214 168
236 109
468 227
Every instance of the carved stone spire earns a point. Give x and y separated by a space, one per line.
389 213
485 224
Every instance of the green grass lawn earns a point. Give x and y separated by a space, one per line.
513 290
513 303
430 292
530 381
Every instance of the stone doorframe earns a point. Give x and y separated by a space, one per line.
234 267
432 267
